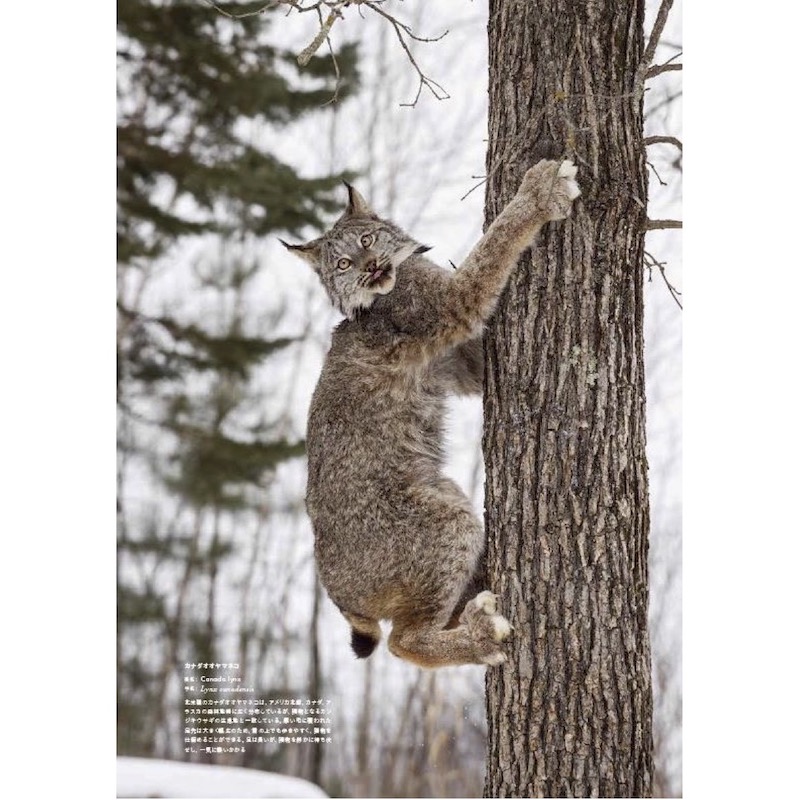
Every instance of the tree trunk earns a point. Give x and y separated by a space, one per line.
564 428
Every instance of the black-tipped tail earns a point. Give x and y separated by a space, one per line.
365 635
363 644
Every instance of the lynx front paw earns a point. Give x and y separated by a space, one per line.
566 176
551 187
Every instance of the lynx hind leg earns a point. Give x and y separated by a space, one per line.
427 646
486 625
551 187
476 585
477 639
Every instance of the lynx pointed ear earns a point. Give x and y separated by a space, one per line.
308 252
357 206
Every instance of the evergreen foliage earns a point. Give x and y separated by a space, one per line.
192 83
198 94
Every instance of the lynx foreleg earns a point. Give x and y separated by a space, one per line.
463 302
545 194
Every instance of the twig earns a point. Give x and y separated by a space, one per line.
266 7
436 89
652 44
476 186
665 67
653 71
662 224
373 4
650 262
336 69
512 154
655 172
335 8
322 35
664 140
655 35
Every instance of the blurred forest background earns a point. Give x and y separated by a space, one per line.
225 143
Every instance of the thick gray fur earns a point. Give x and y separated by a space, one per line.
394 538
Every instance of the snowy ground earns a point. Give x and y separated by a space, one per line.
152 777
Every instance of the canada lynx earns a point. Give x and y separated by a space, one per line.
394 538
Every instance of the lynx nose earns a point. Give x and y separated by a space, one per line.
371 265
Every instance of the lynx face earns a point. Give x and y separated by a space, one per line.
358 258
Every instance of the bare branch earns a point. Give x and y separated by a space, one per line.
480 183
664 67
652 44
335 11
436 89
655 172
663 224
664 140
655 34
653 71
336 70
265 7
322 35
650 262
373 4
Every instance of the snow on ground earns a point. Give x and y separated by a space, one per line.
152 777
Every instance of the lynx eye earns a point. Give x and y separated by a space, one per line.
343 264
366 240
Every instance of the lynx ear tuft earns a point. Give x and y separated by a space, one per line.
357 206
308 252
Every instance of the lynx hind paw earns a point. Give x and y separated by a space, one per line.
502 627
481 615
493 659
486 601
500 630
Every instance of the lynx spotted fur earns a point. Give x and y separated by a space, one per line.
394 538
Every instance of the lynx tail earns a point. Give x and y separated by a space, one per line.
365 635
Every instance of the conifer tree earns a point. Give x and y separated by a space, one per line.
198 92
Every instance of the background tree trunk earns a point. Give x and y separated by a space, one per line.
564 430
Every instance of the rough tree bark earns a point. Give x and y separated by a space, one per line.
564 431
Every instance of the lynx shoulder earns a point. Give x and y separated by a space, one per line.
394 539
